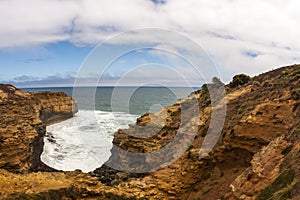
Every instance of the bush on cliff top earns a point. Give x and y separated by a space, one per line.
240 79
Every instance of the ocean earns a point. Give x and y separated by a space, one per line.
84 141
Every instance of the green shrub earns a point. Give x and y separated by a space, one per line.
283 180
287 150
239 79
286 72
204 89
176 113
296 72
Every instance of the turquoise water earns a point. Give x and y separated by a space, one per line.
84 141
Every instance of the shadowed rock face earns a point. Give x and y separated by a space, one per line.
23 118
257 155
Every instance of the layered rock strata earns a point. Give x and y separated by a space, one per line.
256 157
261 118
23 121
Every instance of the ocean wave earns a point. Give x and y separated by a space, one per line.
84 141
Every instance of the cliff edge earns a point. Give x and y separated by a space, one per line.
256 157
23 118
257 150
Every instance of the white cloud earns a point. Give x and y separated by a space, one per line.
35 21
226 28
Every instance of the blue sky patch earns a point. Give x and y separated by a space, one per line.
159 1
251 54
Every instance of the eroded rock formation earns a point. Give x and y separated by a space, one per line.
262 117
23 118
256 157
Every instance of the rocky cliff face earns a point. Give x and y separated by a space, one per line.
256 157
261 119
24 117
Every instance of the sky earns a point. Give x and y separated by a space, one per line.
47 43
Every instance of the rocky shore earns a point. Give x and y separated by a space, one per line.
256 157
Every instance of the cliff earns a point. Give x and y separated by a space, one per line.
256 157
23 118
259 144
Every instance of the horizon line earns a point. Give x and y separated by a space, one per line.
106 86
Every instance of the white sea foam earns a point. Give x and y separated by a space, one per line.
84 141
